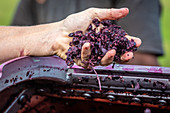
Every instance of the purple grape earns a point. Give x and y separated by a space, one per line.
109 37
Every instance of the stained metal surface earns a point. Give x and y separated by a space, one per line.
122 85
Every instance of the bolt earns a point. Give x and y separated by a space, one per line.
86 95
162 102
6 81
22 99
136 100
41 90
111 97
63 92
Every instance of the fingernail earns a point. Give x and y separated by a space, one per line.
138 42
111 53
125 8
86 48
110 56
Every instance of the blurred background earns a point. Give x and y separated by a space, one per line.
8 7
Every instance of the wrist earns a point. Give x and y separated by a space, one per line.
40 39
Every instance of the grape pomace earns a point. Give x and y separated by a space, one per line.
110 36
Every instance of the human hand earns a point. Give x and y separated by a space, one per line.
50 39
80 21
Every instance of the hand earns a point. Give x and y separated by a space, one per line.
80 21
50 39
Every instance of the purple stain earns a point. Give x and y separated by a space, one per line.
6 81
20 78
159 82
30 75
128 69
48 70
137 80
137 86
146 80
154 84
11 80
15 79
155 69
163 85
27 73
86 78
70 74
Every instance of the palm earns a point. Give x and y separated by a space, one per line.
74 22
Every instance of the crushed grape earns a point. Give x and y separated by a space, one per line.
110 36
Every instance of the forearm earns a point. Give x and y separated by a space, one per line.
10 44
24 41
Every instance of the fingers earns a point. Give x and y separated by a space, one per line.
137 40
108 14
108 58
127 56
85 53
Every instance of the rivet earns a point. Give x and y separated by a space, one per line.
162 102
86 95
22 99
137 100
111 97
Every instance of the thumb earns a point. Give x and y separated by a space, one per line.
107 14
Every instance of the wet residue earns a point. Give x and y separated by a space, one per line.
51 67
12 80
6 81
155 69
29 74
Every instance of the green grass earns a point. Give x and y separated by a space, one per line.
165 25
8 7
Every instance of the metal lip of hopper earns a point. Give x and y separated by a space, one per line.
121 84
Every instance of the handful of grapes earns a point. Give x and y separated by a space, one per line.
103 36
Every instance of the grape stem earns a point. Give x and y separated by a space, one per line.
98 79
